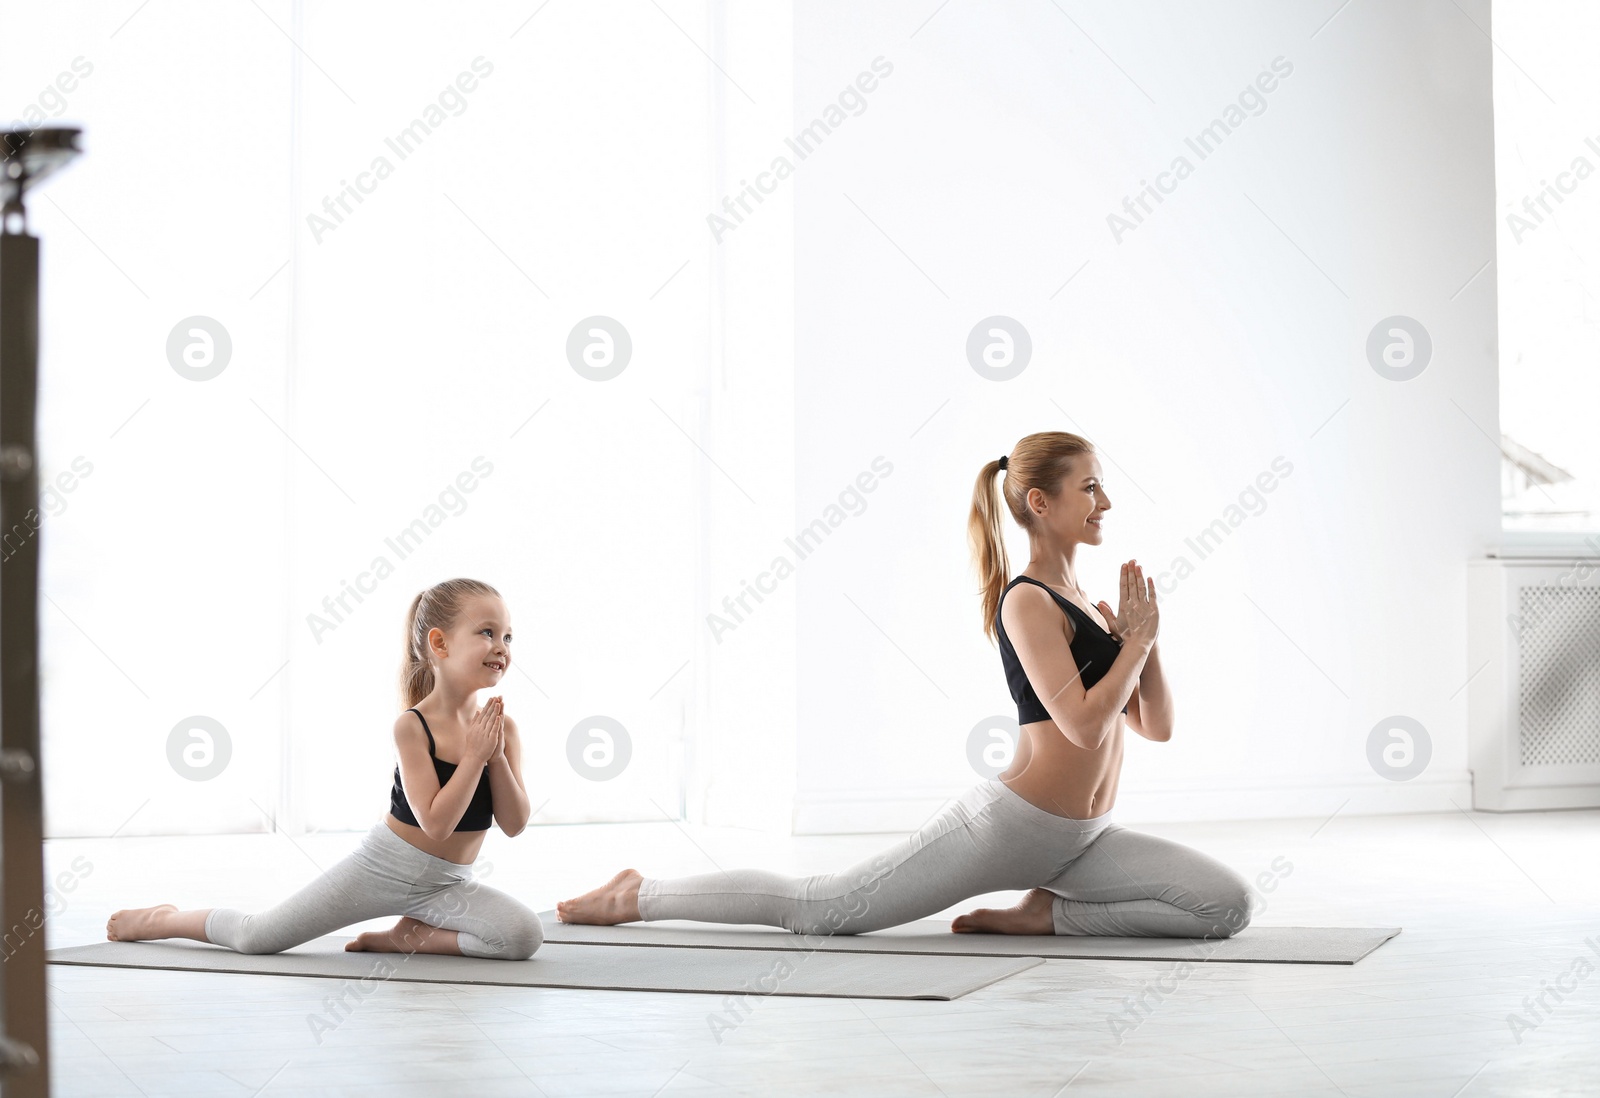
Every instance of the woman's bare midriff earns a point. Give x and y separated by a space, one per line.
1055 774
461 847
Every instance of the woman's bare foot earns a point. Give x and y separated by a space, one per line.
139 924
616 901
1031 915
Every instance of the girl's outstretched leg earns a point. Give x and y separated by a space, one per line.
141 924
374 880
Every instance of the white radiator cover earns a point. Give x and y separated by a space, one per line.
1533 702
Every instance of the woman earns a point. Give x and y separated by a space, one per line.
1079 677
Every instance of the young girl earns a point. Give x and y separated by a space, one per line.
416 862
1045 824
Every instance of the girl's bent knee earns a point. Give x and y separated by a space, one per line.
526 942
522 940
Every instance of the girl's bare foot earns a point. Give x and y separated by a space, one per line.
616 901
139 924
402 937
1031 915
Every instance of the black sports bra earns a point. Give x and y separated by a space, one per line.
1093 649
480 810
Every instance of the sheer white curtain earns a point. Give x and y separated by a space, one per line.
398 223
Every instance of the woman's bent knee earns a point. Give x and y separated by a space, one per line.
1227 909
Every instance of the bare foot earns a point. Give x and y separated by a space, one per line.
138 924
616 901
1031 915
399 938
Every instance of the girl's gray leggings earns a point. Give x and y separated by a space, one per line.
1107 879
386 875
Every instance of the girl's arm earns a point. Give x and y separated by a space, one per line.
437 810
511 810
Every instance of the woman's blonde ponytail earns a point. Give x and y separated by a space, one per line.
988 543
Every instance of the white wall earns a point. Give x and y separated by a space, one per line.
741 764
1224 333
820 341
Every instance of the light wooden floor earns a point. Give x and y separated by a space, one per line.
1495 909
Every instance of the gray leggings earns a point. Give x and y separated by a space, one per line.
1107 880
386 875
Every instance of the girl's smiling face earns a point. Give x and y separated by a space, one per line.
477 650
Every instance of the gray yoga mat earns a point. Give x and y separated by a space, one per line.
607 967
1303 945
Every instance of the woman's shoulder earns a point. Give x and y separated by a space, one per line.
1027 583
1030 592
1032 605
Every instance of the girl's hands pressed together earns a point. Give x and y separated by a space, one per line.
486 733
500 728
1137 619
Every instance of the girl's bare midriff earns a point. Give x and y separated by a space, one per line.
1055 774
461 847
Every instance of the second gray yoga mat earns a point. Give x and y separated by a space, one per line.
613 968
1305 945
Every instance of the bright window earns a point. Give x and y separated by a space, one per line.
397 332
1547 176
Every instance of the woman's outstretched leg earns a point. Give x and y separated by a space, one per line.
981 843
895 887
616 901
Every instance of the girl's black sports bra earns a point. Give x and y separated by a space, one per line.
480 810
1093 649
